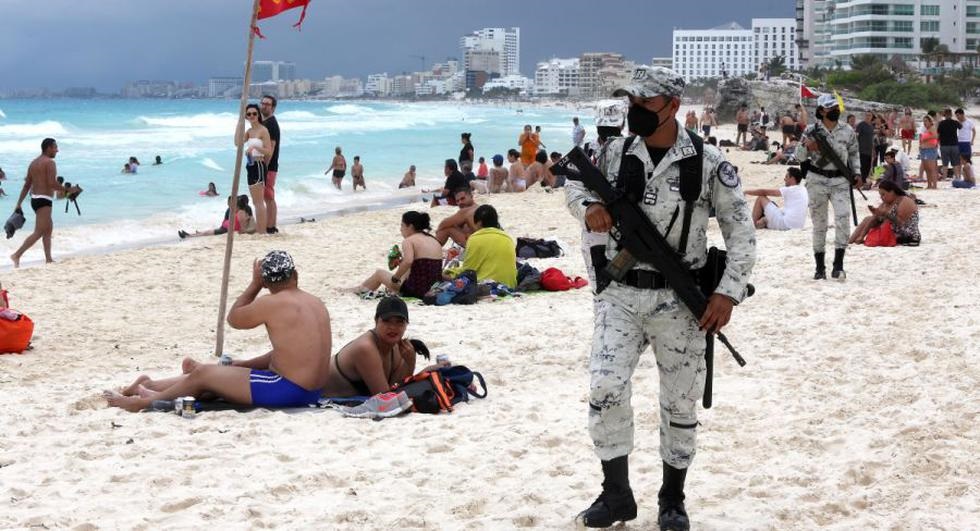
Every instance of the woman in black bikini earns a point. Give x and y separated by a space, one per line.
377 359
420 265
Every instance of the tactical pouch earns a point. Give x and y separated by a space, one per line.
709 276
599 263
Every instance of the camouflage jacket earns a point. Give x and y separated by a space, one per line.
845 143
721 188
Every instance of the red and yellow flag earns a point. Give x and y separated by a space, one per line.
271 8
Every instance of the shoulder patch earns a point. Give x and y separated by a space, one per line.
728 175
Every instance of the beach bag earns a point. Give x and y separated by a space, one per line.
437 391
461 290
537 248
528 278
881 236
16 329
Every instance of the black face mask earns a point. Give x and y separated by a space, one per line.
643 121
833 115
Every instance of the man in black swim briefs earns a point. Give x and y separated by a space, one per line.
292 374
42 183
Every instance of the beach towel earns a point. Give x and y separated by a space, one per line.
14 222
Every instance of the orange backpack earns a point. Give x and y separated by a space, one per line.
16 329
429 390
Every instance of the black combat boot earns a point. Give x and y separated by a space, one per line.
672 516
821 273
616 503
838 271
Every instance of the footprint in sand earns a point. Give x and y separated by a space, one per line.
180 505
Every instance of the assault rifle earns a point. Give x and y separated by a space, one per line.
642 241
819 134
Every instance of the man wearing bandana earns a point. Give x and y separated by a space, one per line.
826 183
290 375
643 310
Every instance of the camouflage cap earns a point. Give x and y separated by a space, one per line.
277 266
827 100
650 81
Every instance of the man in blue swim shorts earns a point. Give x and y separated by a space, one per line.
292 374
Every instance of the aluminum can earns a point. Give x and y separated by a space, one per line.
187 407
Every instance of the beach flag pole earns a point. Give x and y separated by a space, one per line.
232 217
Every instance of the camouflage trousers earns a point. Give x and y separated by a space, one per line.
836 191
627 321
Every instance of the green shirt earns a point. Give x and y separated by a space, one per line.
491 253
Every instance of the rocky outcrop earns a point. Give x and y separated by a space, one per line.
777 96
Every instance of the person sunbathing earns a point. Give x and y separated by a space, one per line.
243 221
378 358
460 225
292 374
420 265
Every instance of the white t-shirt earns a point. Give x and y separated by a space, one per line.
903 160
965 134
795 201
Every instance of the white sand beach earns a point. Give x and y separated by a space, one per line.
858 407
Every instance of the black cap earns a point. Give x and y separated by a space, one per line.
391 306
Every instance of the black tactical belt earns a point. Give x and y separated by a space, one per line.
643 279
828 173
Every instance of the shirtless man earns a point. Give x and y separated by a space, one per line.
906 126
498 175
42 183
378 358
408 180
515 175
535 172
742 122
788 126
460 225
292 374
357 173
338 166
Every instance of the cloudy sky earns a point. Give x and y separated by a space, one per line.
105 43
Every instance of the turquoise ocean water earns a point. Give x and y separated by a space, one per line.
194 138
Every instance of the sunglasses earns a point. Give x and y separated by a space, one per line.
251 114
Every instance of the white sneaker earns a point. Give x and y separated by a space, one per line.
380 406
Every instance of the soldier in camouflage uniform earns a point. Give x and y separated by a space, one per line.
635 314
825 182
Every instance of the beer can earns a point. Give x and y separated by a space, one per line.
442 359
178 405
187 407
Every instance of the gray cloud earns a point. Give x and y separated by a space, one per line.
104 43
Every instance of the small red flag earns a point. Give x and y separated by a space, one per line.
805 92
271 8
